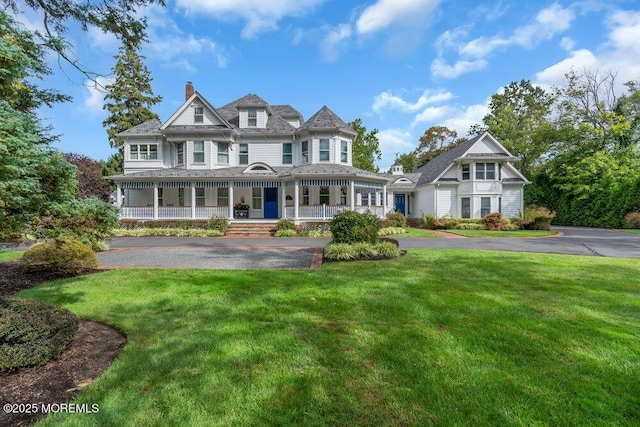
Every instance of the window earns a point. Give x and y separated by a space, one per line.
485 206
365 199
466 172
223 197
466 207
180 196
200 197
143 152
287 153
305 151
343 195
256 198
180 150
324 150
198 151
252 119
500 204
344 152
198 115
324 195
244 154
160 197
485 171
223 153
305 195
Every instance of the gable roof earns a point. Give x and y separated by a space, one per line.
275 122
326 119
438 165
286 111
186 104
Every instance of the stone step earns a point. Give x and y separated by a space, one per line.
251 229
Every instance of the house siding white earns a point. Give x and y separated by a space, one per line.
511 201
447 201
424 201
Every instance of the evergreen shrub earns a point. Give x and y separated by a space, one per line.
59 257
353 227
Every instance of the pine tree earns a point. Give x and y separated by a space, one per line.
130 98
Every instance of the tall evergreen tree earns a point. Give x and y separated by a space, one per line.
130 97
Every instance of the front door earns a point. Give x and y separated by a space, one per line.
271 203
400 203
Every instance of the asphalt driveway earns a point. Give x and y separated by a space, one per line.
292 252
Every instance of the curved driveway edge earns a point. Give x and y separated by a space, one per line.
297 252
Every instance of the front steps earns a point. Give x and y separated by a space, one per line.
251 229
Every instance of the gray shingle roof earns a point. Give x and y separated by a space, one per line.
150 127
332 169
413 177
275 123
286 111
438 165
326 119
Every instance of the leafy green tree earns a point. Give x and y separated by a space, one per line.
519 118
435 141
366 147
130 98
409 161
628 106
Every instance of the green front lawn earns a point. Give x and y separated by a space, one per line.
515 233
630 231
9 255
445 337
417 232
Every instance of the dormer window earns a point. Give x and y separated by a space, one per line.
252 118
198 115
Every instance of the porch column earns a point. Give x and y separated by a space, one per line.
155 200
296 200
193 200
118 195
230 200
384 200
352 195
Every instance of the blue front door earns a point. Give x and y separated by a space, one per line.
400 203
271 203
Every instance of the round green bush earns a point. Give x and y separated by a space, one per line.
32 333
286 233
387 250
352 227
285 224
60 256
340 251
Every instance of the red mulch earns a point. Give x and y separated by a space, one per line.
89 354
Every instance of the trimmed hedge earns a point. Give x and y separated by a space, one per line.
32 333
352 227
61 257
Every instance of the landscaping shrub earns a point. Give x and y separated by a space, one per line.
633 220
365 250
496 222
395 219
340 251
387 231
315 226
285 224
536 218
318 233
286 233
446 223
387 250
353 227
219 223
60 257
32 333
428 221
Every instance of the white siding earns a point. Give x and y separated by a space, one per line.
266 152
511 201
447 201
424 201
186 118
452 172
484 146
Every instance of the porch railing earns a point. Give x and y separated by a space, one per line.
173 212
324 212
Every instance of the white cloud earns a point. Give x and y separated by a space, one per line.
334 41
105 42
434 114
95 92
385 13
555 75
463 119
392 142
260 15
386 100
471 55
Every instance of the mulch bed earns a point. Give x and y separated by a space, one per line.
89 354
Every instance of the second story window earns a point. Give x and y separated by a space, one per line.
244 154
198 151
287 153
324 150
223 153
198 115
486 171
252 118
143 152
180 153
344 152
466 172
305 151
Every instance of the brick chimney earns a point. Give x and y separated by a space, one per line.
188 90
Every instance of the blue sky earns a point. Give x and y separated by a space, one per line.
400 65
